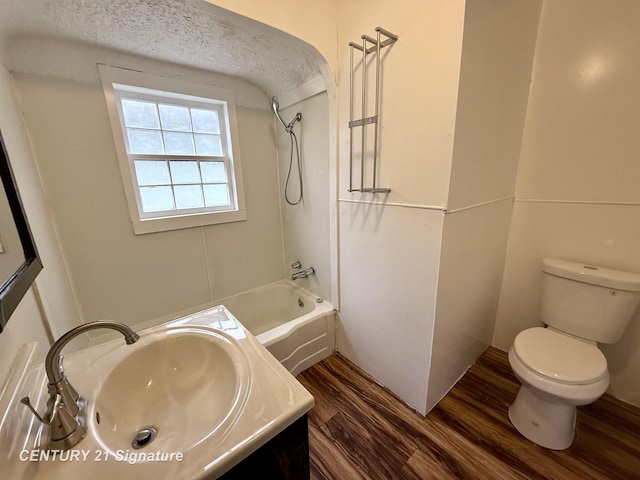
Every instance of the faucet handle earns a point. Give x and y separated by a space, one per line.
52 409
296 265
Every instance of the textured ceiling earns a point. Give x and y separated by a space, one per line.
190 33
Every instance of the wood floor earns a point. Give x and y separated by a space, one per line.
359 430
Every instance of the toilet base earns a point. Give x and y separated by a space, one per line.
542 419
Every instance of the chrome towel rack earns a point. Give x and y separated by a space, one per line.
369 46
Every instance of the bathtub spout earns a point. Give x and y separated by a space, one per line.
303 273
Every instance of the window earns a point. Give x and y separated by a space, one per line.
176 150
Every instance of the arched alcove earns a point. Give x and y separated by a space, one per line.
52 50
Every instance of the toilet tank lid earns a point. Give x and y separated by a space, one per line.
604 277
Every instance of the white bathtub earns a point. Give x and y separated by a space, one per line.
296 326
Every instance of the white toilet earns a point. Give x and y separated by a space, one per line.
560 366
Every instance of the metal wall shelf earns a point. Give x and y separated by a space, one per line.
376 45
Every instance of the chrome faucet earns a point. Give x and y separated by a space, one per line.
66 409
303 273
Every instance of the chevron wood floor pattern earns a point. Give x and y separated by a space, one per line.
360 431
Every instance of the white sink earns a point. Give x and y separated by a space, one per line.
185 384
210 389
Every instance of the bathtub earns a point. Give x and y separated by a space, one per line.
296 326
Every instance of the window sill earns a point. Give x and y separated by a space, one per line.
153 225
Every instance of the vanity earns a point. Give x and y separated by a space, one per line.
195 398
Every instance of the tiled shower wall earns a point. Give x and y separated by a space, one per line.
389 274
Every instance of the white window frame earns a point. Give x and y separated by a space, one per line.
118 82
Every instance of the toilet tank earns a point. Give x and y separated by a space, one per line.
589 302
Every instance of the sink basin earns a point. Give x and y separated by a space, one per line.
209 388
187 384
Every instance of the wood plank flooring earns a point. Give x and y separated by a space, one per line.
360 431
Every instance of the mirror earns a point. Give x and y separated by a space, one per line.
19 261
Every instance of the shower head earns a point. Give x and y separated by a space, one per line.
275 105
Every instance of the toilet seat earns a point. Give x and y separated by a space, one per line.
569 393
559 357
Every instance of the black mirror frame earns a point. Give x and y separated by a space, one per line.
15 287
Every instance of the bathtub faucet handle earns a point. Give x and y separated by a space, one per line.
303 273
296 265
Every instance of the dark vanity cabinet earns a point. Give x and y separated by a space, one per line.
284 457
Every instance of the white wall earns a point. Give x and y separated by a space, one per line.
27 323
129 278
419 95
577 193
389 253
471 265
305 226
388 274
497 56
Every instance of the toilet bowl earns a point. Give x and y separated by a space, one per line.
560 366
558 372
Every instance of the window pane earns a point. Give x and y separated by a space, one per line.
185 172
208 145
140 114
215 195
152 172
213 172
175 118
178 143
145 141
156 199
205 121
188 196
